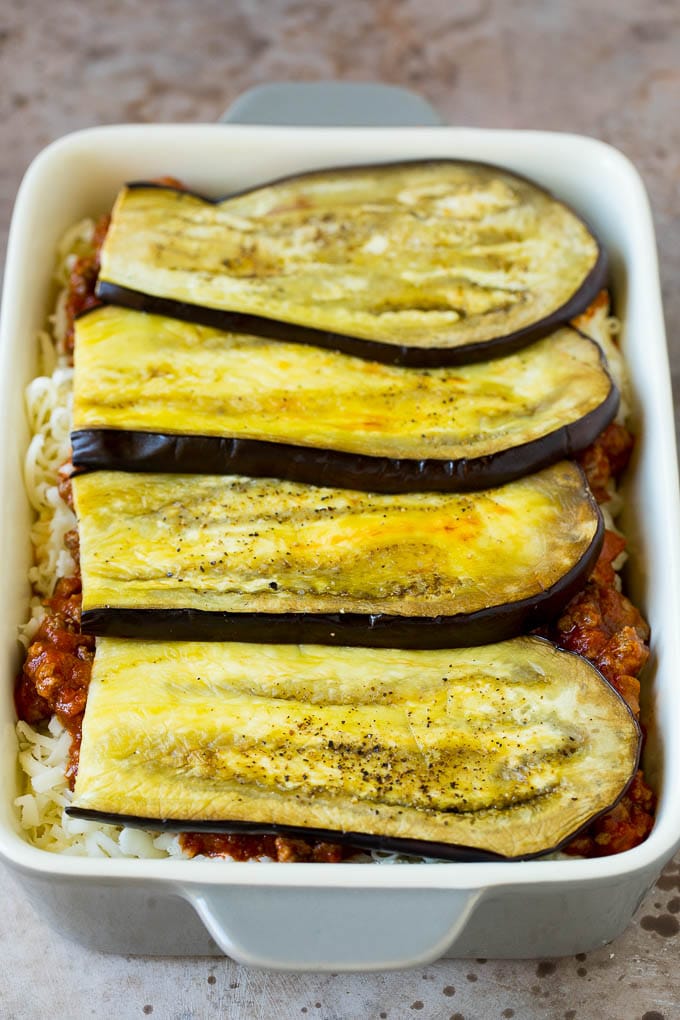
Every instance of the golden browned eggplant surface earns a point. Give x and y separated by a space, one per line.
247 545
434 255
152 373
507 749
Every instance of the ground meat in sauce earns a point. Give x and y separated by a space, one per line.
606 459
605 627
622 828
64 487
80 291
245 847
170 182
599 622
72 543
57 669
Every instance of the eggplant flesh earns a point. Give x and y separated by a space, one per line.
508 749
163 395
248 559
428 262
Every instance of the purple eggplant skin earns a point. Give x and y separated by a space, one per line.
483 627
413 357
362 841
368 841
369 350
122 450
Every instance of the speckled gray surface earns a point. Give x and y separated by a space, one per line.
609 69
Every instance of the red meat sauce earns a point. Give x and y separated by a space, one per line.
278 848
57 669
82 279
606 459
605 627
600 623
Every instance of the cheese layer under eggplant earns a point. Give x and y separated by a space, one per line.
508 749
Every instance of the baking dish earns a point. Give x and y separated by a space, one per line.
352 916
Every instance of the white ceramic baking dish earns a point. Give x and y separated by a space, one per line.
351 916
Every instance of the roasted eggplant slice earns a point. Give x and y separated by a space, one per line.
234 558
436 262
152 393
505 750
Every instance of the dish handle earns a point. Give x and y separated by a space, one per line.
308 928
331 104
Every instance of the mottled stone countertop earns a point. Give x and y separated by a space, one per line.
609 69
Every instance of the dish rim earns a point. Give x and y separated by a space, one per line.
643 282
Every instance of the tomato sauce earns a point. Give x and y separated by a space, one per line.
605 627
243 847
606 459
82 281
57 669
